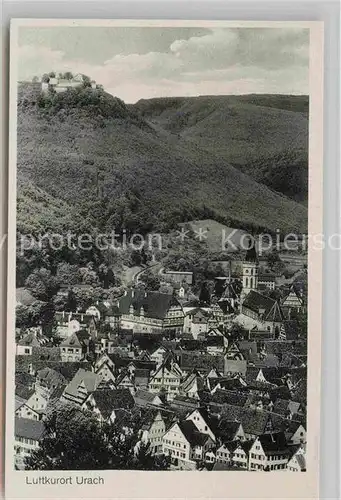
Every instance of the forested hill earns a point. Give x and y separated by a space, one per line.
113 167
265 136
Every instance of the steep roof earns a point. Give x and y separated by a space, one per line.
50 377
18 402
90 380
251 254
301 461
28 428
77 339
246 445
108 400
227 429
190 380
230 397
23 391
191 433
155 304
283 406
31 339
202 361
273 443
260 304
143 398
254 422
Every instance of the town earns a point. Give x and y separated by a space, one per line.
217 379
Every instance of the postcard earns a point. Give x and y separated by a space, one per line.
165 263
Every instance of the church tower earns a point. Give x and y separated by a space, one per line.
250 271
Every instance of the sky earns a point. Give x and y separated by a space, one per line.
139 63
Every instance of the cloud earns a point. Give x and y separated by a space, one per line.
219 61
35 61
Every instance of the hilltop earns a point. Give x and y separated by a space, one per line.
265 136
112 166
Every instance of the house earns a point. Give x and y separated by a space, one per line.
37 402
234 366
145 398
124 381
83 383
179 276
167 377
266 281
150 312
141 377
229 430
241 454
192 385
204 422
47 380
61 84
202 361
286 408
158 355
216 344
75 347
185 444
196 320
297 462
153 429
32 339
225 452
105 368
292 302
265 312
105 403
71 322
231 397
295 432
269 452
22 410
28 433
182 405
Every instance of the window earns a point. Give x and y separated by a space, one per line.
27 351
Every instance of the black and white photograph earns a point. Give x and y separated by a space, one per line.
161 275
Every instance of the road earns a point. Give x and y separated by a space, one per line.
132 275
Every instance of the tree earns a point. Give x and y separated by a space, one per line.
22 317
272 258
68 274
68 75
45 78
35 79
52 74
74 440
204 296
84 297
69 441
42 284
71 301
151 281
86 81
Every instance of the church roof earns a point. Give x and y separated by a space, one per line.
251 254
257 303
155 304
